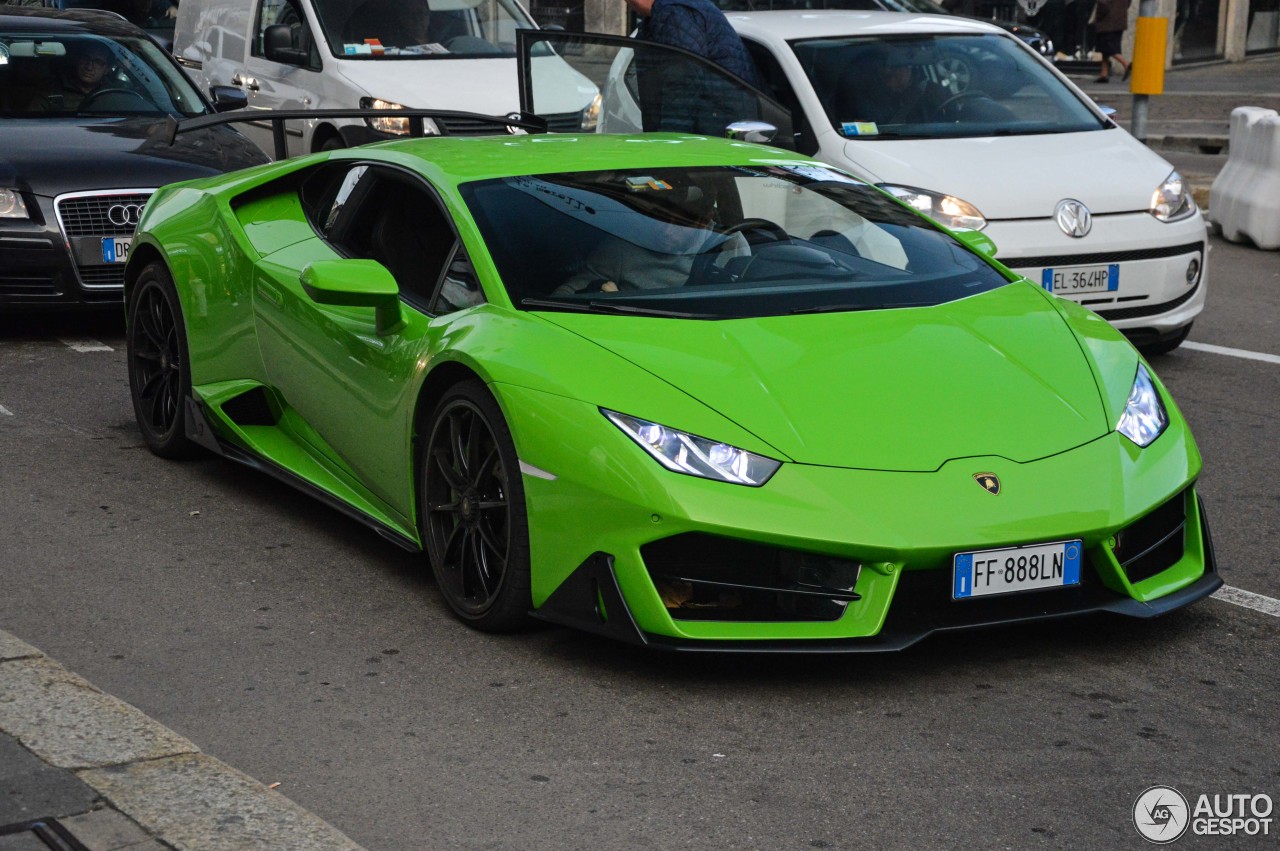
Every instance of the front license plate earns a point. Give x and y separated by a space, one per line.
1004 571
115 249
1082 279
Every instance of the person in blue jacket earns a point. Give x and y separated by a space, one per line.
681 96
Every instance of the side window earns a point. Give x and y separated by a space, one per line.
287 13
460 288
777 84
393 218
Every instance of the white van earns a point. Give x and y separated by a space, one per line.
379 54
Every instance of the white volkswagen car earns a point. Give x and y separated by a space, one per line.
964 122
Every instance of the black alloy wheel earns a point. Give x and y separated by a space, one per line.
473 511
159 372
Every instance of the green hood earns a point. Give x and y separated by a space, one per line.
905 389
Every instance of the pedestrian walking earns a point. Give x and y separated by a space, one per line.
1110 19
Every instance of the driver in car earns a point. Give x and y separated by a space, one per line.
663 256
85 72
900 93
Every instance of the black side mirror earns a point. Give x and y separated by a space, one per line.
227 98
277 46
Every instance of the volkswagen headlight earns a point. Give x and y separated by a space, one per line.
1171 200
591 114
1144 418
947 210
696 456
12 205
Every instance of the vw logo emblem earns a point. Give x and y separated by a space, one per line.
124 214
1073 217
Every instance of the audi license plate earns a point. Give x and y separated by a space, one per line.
115 249
1004 571
1081 279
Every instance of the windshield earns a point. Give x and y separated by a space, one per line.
59 74
716 243
422 29
939 86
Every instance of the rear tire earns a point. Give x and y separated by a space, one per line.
159 369
473 511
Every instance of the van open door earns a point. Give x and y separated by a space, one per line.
644 87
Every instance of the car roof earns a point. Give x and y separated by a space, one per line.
818 23
19 19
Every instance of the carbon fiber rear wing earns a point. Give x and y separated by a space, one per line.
514 123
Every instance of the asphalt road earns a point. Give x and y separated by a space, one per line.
302 649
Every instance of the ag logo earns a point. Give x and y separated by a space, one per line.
990 482
1161 814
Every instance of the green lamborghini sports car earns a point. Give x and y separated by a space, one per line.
690 393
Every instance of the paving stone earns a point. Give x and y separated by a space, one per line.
15 648
22 842
30 788
64 720
106 830
197 803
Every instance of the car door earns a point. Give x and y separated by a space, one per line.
645 87
270 84
348 385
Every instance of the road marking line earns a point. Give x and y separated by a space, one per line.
1235 353
1249 600
5 412
86 345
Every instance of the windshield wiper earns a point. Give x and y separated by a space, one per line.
853 308
614 307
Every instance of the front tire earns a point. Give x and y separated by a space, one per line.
159 370
473 511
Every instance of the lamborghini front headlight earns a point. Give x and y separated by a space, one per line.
1144 418
696 456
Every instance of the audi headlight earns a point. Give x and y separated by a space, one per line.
1144 418
391 125
696 456
591 114
946 210
12 205
1171 200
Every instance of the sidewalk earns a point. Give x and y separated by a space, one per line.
1189 124
83 771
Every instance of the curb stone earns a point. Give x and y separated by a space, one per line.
162 792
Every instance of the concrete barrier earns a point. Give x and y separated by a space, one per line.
1244 201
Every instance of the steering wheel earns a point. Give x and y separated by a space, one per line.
86 105
758 227
958 98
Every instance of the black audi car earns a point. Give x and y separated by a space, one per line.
86 99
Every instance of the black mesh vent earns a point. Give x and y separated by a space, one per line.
91 215
11 284
708 578
103 276
563 122
1153 543
1101 257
